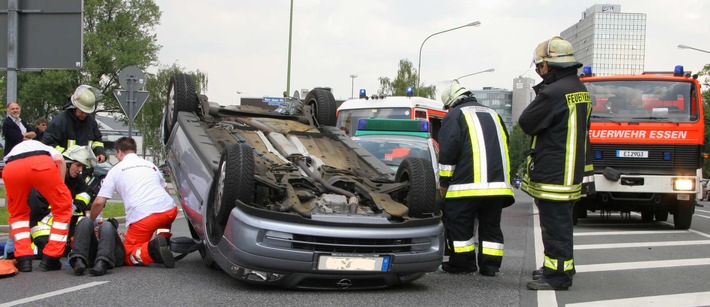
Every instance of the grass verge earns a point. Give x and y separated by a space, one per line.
111 210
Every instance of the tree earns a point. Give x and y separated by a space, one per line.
117 33
149 119
519 143
704 76
406 76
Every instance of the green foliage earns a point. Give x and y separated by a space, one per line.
4 215
149 119
519 143
406 76
113 209
704 78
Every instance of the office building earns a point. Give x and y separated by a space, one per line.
523 94
610 41
498 99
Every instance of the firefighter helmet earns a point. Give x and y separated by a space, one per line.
85 97
81 154
452 92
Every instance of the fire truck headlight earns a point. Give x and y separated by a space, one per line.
683 184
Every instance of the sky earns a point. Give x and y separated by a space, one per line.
242 45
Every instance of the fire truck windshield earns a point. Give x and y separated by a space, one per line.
643 100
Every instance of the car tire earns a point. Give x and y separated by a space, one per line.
683 216
323 105
420 196
661 214
181 98
234 180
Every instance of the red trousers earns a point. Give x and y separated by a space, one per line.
139 234
39 172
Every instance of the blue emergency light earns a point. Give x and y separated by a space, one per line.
598 155
678 71
410 91
363 93
587 71
666 154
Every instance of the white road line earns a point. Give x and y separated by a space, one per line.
53 293
703 216
704 211
631 232
685 299
618 266
640 244
544 298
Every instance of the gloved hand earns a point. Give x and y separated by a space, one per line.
79 206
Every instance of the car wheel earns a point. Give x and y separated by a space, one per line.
683 216
181 97
420 196
235 180
323 104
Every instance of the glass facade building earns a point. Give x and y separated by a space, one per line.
498 99
610 41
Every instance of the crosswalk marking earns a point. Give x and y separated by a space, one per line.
685 299
587 268
639 244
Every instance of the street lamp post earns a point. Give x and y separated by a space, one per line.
419 65
352 86
478 72
288 70
688 47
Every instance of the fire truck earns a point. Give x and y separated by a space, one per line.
647 139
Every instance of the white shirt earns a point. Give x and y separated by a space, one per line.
141 186
31 145
18 122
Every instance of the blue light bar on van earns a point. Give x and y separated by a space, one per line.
678 71
363 93
587 71
410 91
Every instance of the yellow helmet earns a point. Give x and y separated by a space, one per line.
81 154
85 97
555 50
452 92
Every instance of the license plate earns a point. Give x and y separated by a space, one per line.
354 263
631 154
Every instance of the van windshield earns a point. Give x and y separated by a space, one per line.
348 119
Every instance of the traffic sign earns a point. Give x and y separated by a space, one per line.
274 101
131 78
138 100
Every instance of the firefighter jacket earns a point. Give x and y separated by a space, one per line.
40 209
473 156
66 129
558 121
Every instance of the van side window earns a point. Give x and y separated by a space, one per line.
420 114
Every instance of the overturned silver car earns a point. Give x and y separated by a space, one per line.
284 198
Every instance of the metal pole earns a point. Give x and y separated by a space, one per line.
352 86
12 44
288 73
130 106
419 66
693 48
478 72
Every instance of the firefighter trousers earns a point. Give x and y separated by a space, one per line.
140 233
459 215
557 231
108 246
39 172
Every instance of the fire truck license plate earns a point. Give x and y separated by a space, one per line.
631 154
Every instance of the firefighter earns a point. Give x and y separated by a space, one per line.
474 177
558 121
76 125
41 218
29 165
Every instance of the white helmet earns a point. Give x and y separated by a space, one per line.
85 97
81 154
452 92
555 50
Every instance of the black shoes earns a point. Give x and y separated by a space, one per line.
447 267
24 264
159 250
487 272
100 268
541 284
78 265
537 274
50 263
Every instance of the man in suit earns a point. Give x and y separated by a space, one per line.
14 129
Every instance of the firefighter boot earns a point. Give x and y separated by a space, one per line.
50 263
24 263
159 250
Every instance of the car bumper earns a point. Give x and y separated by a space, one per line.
285 253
